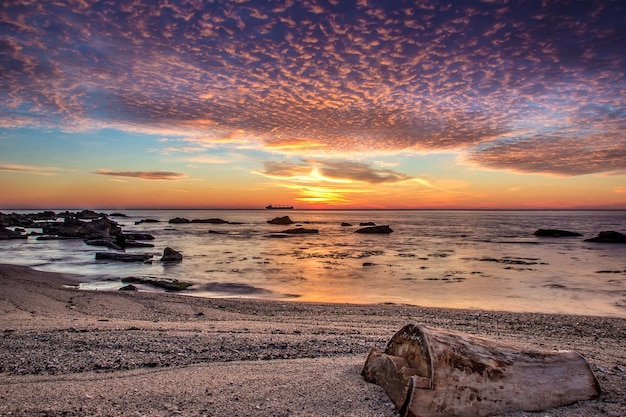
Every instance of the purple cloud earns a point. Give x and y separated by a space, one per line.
392 77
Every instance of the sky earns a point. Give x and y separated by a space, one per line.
491 104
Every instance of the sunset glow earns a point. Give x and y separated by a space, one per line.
318 104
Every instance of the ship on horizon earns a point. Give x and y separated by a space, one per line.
278 207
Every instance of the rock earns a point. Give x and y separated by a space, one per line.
108 243
166 284
555 233
138 236
170 255
281 220
179 220
344 224
147 221
88 215
608 237
14 219
79 229
375 229
211 221
129 287
367 224
6 234
300 231
123 257
117 215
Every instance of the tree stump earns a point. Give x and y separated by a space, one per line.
430 372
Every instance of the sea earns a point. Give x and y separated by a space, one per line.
482 260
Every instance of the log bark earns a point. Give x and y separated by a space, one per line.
429 372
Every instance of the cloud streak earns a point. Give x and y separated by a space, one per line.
328 77
31 169
144 175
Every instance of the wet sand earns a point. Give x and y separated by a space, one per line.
68 352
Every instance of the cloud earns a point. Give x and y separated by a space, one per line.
145 175
31 169
293 77
330 172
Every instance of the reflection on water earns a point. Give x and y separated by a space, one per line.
472 259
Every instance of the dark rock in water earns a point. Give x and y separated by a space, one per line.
123 257
129 287
170 255
281 220
6 234
14 219
367 224
344 224
166 284
138 236
375 229
179 220
233 288
108 243
608 237
300 231
117 215
88 215
555 233
211 221
147 221
216 232
79 229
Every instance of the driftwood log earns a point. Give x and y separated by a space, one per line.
429 372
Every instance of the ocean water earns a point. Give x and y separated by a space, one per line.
461 259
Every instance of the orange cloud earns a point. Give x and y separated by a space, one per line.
145 175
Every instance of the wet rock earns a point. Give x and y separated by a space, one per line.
170 255
138 236
6 234
210 221
147 221
281 220
88 215
300 231
608 237
75 228
344 224
555 233
375 230
117 215
129 287
179 220
123 257
367 224
164 283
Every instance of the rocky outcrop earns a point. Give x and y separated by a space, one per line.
79 229
284 220
345 224
375 230
555 233
300 231
179 220
210 221
147 221
123 257
170 255
367 224
164 283
608 237
6 234
88 215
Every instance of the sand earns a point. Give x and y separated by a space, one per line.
70 352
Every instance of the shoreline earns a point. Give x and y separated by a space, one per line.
76 352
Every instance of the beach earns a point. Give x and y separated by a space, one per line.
70 352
